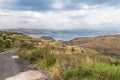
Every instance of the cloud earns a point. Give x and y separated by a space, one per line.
90 17
49 5
59 14
103 16
57 4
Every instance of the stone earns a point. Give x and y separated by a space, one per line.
29 75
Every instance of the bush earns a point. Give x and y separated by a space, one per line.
7 44
33 54
88 72
49 60
26 45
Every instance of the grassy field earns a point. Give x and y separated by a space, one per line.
65 62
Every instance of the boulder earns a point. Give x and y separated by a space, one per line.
29 75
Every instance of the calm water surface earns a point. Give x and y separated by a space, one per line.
69 36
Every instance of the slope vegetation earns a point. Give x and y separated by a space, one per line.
104 44
65 62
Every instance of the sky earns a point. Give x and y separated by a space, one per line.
60 14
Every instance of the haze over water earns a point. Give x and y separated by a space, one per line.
70 35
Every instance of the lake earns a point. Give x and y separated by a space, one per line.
70 35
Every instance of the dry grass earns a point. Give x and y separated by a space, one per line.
103 44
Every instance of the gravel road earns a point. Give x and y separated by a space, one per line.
10 64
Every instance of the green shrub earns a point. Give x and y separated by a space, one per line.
117 62
33 54
49 60
88 72
7 44
26 45
72 73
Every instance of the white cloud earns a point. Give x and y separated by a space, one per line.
57 4
103 16
92 17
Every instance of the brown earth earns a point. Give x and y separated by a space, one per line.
104 44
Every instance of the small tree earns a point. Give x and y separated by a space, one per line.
72 49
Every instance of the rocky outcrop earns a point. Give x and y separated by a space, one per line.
30 75
47 38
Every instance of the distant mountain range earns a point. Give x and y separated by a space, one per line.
31 31
49 31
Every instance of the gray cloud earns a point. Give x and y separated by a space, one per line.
47 5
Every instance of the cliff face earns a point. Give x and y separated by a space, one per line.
103 44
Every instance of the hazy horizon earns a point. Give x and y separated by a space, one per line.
64 34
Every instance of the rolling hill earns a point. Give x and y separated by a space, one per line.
104 44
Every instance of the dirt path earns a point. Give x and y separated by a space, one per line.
11 65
